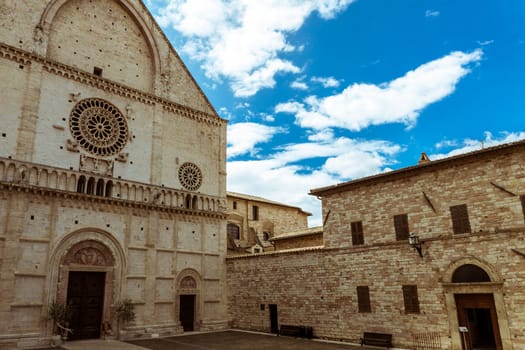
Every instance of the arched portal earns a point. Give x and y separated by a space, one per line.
476 310
188 299
86 270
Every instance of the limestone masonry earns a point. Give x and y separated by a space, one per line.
468 213
113 187
112 176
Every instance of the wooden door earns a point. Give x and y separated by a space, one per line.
85 295
187 312
274 321
477 313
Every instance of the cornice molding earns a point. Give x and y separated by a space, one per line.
72 73
122 203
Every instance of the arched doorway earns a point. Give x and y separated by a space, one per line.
89 263
477 317
475 305
86 273
188 300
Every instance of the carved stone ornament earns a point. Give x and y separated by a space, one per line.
71 146
89 256
98 127
190 176
122 157
89 253
97 166
188 283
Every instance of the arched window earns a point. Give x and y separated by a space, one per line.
81 184
195 203
233 231
109 189
188 201
91 186
470 273
100 187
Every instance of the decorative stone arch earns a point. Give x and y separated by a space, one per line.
189 282
452 267
44 26
88 250
493 287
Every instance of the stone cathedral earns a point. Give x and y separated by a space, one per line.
112 175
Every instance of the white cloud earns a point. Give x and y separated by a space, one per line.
470 145
327 82
343 159
485 42
431 13
398 101
446 143
243 137
241 40
299 85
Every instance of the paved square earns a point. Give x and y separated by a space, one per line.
237 340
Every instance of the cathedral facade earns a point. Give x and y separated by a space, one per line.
112 175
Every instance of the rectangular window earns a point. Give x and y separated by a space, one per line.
363 299
401 226
233 231
234 205
255 213
357 233
460 222
411 300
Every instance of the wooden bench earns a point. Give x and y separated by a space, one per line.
291 331
377 339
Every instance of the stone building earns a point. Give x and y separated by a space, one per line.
311 237
253 222
464 271
112 175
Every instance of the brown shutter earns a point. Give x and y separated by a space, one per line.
460 221
401 226
363 299
357 233
411 300
522 198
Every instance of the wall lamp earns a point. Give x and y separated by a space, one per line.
414 242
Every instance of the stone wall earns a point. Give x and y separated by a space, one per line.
153 250
311 240
107 146
318 288
273 218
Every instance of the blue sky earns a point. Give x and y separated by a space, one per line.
320 92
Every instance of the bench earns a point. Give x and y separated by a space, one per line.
377 339
291 331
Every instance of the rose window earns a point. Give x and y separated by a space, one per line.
190 176
98 127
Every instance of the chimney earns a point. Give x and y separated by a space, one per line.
423 159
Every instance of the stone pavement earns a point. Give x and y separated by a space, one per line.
227 340
237 340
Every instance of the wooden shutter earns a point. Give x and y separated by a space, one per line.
401 226
411 300
522 198
363 299
357 233
460 221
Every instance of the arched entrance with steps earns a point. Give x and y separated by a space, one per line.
86 273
